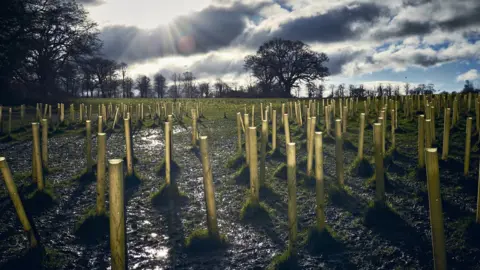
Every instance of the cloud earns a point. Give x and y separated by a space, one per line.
209 29
337 24
91 2
420 17
359 36
470 75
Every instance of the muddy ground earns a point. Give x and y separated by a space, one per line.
396 239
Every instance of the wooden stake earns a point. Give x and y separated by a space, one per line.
435 206
247 141
361 136
319 185
339 151
468 139
17 202
286 129
392 121
263 151
100 123
128 143
209 190
37 156
62 112
167 153
45 143
432 123
274 130
421 141
239 132
101 167
194 128
117 215
379 175
88 143
253 115
446 133
292 197
254 184
310 143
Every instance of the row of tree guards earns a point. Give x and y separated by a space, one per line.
303 114
107 112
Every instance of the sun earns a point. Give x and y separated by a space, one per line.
145 14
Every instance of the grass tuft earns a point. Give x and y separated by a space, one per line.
236 161
254 212
39 201
281 171
276 154
168 194
322 242
202 241
242 175
286 260
362 167
92 228
379 214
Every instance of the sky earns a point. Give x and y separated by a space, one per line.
368 42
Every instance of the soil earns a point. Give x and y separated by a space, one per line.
396 238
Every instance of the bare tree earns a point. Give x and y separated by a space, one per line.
129 86
173 91
396 90
159 84
144 85
340 90
320 90
406 87
123 72
204 89
332 90
311 89
188 84
220 88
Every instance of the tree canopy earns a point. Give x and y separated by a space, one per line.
286 63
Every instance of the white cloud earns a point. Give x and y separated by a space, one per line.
470 75
145 14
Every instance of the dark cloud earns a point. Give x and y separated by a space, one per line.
415 2
90 2
339 59
209 29
464 15
425 60
333 26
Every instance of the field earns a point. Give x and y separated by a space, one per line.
359 235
